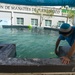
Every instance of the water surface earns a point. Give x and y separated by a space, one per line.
35 43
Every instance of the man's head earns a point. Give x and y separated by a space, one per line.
65 29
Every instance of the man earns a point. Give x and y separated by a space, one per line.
66 33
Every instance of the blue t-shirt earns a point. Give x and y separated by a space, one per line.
70 39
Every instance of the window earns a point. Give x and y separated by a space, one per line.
60 23
20 21
34 22
48 22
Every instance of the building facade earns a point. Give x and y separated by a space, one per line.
26 15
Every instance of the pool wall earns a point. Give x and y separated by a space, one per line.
20 26
14 26
10 64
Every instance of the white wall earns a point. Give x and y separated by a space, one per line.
9 13
54 19
6 18
27 18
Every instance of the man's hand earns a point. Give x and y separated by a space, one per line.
65 60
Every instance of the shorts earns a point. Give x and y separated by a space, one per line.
63 50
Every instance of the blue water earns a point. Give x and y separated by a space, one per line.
31 43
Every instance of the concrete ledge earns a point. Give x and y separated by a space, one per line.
10 64
14 26
55 29
20 26
19 65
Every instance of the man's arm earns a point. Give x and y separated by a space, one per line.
57 44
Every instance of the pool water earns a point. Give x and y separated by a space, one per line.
31 43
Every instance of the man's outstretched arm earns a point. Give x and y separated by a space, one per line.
57 44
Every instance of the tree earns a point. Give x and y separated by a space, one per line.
42 12
71 14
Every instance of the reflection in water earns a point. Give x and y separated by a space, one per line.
38 30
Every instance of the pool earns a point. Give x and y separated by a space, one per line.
31 43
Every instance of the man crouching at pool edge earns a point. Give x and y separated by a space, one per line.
67 33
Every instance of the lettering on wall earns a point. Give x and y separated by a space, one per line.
26 8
